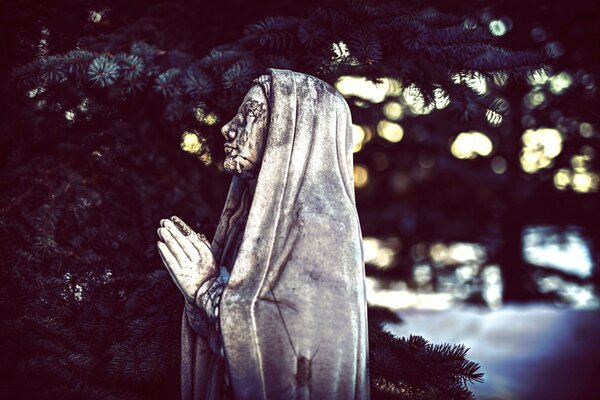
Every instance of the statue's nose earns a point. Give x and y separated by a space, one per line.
227 133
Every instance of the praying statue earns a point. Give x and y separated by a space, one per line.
275 305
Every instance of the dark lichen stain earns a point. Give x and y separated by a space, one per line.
303 371
314 275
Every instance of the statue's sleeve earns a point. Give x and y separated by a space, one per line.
204 312
197 318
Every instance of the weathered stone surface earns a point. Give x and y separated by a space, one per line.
293 314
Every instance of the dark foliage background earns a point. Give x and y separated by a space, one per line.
97 95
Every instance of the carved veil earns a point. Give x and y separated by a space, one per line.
293 315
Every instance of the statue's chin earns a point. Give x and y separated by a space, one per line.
239 167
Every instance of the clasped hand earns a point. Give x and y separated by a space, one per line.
187 256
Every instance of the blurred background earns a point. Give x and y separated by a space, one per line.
476 140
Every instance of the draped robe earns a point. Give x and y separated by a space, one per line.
293 314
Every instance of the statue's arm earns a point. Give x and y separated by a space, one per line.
205 310
209 294
197 318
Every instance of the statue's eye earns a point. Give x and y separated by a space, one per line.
240 119
254 108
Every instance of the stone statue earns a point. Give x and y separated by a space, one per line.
275 306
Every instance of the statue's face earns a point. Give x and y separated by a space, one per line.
245 136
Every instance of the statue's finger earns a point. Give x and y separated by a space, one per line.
187 246
200 243
174 247
171 263
175 227
182 226
168 259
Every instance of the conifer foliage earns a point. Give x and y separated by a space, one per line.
415 45
90 165
412 368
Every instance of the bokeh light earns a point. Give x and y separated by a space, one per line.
396 296
211 119
562 178
443 274
564 250
538 34
586 130
498 165
582 179
204 116
559 83
498 27
393 111
422 274
363 88
190 142
361 176
584 182
466 252
379 253
492 286
468 145
534 99
390 131
358 136
394 87
579 178
540 147
578 296
459 252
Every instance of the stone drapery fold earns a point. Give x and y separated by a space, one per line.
293 314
